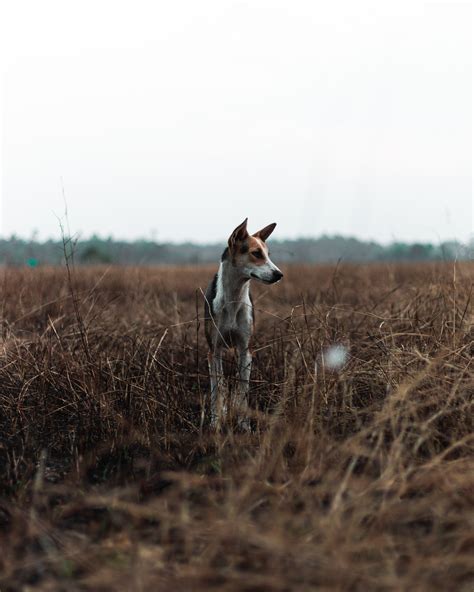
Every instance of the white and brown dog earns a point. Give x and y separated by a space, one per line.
229 315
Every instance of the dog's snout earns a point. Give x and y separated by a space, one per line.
277 275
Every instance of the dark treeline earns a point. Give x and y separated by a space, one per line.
16 252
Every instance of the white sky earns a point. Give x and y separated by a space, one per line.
178 119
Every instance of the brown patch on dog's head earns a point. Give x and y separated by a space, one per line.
257 250
251 247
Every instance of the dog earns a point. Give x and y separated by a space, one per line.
229 314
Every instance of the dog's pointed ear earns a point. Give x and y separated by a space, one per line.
239 234
265 232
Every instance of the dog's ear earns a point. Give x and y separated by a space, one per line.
265 232
239 234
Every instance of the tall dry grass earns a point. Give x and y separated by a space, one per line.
356 479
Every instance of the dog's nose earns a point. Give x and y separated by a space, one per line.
277 275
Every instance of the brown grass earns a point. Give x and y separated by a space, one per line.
361 479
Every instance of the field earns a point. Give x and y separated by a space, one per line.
353 478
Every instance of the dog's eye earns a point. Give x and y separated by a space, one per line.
258 254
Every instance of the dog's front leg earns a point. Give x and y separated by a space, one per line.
245 367
218 409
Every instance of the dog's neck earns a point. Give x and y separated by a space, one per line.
232 287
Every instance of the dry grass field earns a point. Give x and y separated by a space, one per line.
353 479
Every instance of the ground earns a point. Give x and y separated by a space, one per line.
358 473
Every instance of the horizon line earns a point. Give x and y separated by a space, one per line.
94 236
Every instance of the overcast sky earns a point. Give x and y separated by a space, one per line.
176 120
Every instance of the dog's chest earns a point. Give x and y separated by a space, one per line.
234 317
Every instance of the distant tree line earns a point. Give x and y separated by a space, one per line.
17 252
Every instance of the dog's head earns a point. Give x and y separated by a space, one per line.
249 253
